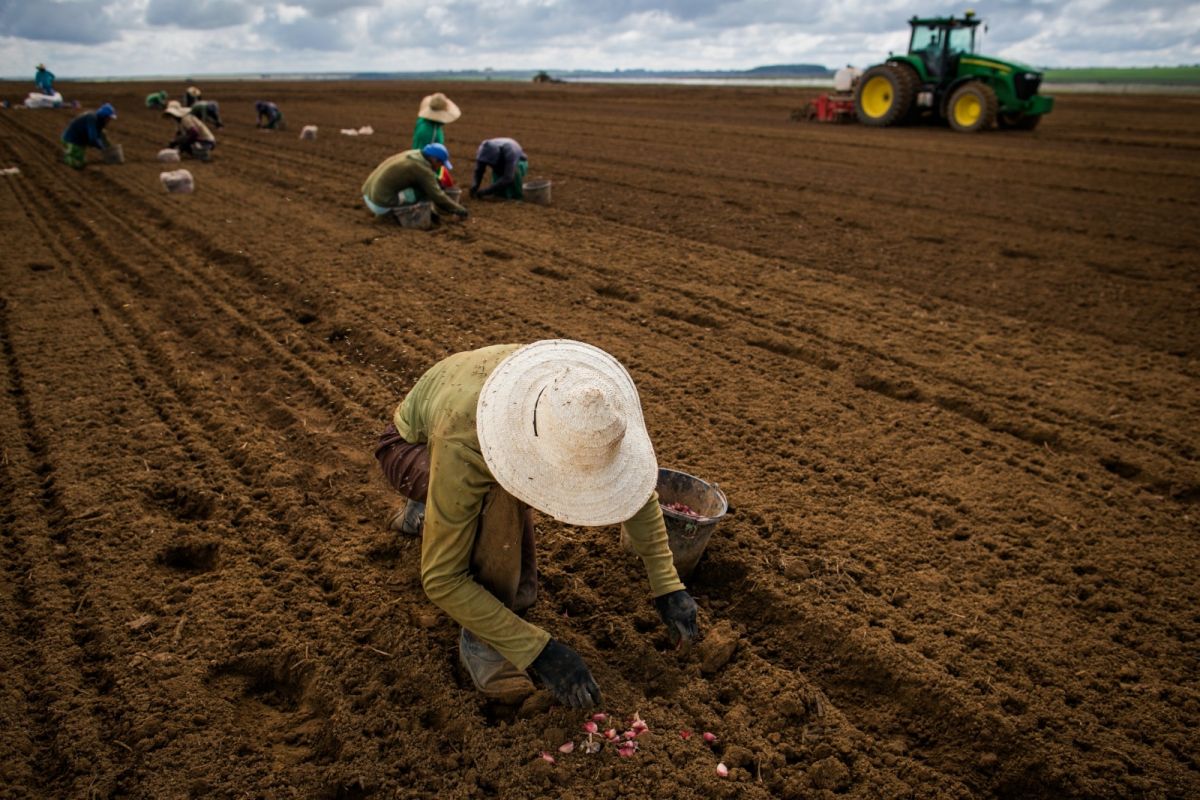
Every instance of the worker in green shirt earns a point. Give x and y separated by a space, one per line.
484 437
156 100
435 112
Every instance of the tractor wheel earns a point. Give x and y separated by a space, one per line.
972 107
1019 121
885 95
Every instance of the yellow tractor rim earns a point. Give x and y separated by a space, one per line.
876 97
967 110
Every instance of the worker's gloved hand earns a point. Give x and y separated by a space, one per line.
678 612
473 191
565 674
462 214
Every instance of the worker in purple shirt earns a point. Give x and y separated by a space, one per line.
509 165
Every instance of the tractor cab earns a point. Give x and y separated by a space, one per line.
939 41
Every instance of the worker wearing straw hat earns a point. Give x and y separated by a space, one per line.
192 137
435 112
484 437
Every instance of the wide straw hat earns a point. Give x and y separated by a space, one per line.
560 427
175 109
439 108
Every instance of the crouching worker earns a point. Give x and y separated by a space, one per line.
86 130
483 438
509 165
192 137
156 100
269 116
207 111
410 177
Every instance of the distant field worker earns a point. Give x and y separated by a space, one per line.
435 113
156 100
86 130
192 137
207 111
190 96
269 115
44 79
509 165
407 178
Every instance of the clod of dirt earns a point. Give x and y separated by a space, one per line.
829 773
738 756
144 621
194 554
718 647
536 703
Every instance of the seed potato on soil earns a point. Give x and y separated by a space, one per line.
949 384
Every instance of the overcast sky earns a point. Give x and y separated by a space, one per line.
175 37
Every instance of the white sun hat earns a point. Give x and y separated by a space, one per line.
560 427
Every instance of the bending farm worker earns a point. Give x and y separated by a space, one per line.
436 112
156 100
44 79
484 437
192 137
269 115
86 130
410 177
207 111
509 165
190 96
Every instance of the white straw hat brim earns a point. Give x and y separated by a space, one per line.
602 493
448 114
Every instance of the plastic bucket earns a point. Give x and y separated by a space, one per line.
115 154
455 194
687 535
415 215
537 191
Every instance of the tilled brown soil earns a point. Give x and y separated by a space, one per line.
949 383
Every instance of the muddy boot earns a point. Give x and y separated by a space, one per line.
408 519
491 673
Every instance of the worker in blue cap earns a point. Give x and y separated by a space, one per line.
410 177
86 130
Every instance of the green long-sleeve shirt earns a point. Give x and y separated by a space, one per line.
427 132
440 411
407 170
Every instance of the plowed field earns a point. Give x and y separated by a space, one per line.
951 385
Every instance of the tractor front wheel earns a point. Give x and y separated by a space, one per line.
972 107
885 95
1019 121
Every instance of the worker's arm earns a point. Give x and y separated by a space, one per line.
458 483
503 179
427 182
648 534
480 169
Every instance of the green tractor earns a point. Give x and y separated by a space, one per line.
943 77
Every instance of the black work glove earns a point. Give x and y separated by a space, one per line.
678 612
473 191
462 214
565 674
